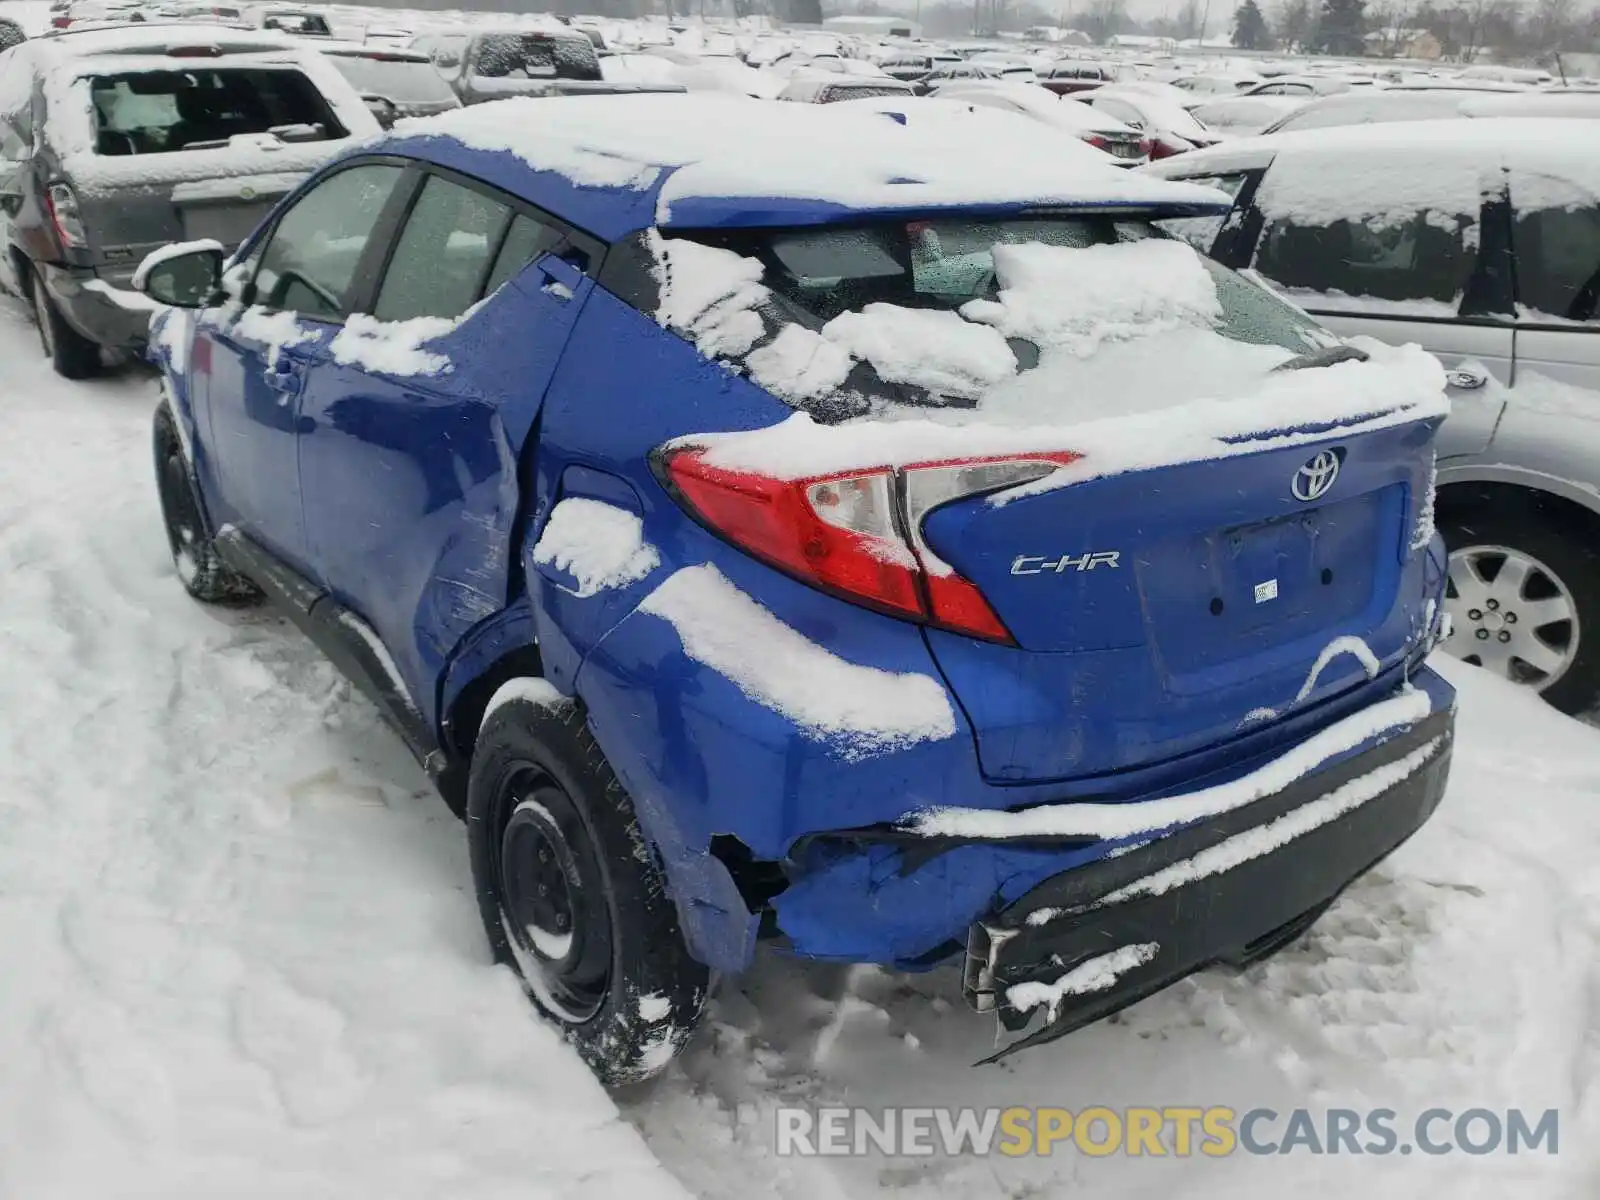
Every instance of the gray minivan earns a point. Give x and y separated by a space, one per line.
1480 241
116 141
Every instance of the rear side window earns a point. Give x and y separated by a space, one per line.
1556 239
1201 232
309 263
156 112
525 241
444 253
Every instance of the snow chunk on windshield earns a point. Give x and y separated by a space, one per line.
862 710
932 349
1396 385
599 545
709 294
799 364
1077 297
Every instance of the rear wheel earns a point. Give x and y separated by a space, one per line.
73 355
1524 596
571 896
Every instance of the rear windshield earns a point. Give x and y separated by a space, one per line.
155 112
861 92
403 80
536 56
312 24
828 271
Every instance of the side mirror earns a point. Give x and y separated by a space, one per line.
185 276
382 108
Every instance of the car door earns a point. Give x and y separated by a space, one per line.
1433 271
409 470
254 358
1556 240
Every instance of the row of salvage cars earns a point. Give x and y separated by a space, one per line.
1479 239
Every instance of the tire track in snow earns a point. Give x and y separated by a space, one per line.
240 951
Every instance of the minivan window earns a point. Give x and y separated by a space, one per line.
443 253
1556 239
1201 232
155 112
1428 257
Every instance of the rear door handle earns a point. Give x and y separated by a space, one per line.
561 278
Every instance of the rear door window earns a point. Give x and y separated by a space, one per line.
525 241
309 263
444 253
1556 239
157 112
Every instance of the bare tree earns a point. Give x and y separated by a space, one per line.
1391 21
1293 23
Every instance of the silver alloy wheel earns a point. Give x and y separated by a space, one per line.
1512 615
41 313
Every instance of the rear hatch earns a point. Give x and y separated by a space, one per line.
197 150
1158 612
1141 506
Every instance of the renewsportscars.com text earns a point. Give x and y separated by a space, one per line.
1178 1131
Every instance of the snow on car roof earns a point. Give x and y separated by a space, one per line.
711 160
154 38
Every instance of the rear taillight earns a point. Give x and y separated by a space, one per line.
1147 148
64 215
857 534
1098 142
61 22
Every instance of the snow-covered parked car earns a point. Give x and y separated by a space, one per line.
926 560
118 141
1126 145
483 63
394 83
1480 241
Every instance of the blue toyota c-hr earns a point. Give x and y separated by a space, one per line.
857 531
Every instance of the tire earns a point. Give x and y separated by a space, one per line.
189 536
599 949
73 355
1490 608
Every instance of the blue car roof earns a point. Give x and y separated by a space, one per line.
613 165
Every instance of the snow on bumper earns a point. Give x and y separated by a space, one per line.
1085 943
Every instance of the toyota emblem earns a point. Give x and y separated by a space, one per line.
1315 478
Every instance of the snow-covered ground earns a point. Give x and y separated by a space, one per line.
239 956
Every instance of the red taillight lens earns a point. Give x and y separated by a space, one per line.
64 215
1098 142
60 22
1147 148
836 532
843 532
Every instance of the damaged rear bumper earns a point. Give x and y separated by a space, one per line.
1090 941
